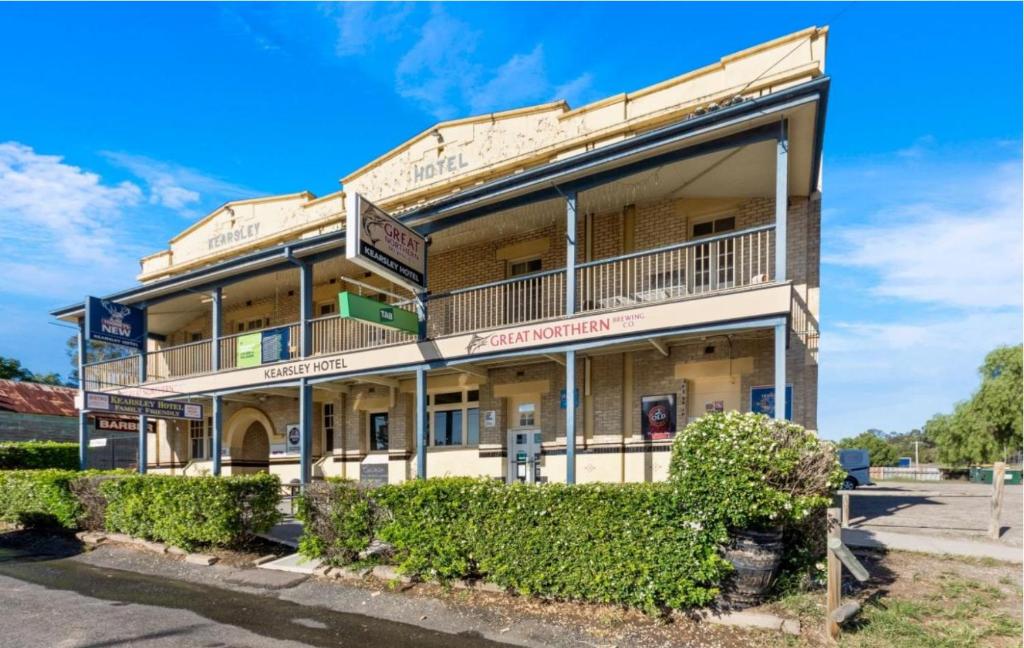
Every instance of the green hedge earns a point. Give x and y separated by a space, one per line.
21 455
192 511
39 498
611 543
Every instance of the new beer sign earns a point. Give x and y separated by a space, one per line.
107 321
381 244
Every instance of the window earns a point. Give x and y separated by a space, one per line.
527 414
328 308
253 324
523 298
196 337
454 419
716 226
328 420
379 431
199 438
714 262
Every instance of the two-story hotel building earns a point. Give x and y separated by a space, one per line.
598 277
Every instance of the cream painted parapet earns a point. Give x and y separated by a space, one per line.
459 154
243 226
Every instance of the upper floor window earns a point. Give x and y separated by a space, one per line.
716 226
328 308
526 266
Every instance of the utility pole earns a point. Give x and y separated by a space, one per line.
917 461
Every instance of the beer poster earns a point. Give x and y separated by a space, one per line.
658 417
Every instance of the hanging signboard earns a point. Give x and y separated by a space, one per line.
762 401
381 244
377 313
113 323
117 424
118 404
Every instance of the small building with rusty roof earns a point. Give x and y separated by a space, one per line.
31 411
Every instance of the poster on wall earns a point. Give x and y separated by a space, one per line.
658 417
262 347
762 401
292 439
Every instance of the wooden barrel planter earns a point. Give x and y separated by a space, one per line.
755 557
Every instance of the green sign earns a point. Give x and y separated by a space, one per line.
249 350
378 313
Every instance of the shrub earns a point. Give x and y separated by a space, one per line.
612 543
747 471
38 498
338 518
21 455
93 505
192 511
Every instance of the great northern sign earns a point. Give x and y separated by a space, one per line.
383 245
377 313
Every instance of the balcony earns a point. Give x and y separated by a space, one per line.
674 273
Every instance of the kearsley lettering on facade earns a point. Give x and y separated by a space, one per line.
236 235
444 166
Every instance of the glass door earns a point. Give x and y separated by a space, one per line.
524 440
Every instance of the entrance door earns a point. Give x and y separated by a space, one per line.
524 455
524 439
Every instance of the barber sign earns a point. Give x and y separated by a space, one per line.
381 244
114 323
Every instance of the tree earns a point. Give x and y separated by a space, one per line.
95 352
12 369
881 451
987 427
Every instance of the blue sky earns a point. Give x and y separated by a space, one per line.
120 124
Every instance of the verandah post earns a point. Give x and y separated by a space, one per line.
570 356
780 370
143 435
421 423
305 389
83 416
217 422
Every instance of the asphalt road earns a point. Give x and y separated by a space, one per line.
947 509
62 602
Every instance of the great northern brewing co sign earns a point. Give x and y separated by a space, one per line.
382 245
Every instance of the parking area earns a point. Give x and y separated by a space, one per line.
951 509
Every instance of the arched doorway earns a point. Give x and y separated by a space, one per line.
255 444
248 436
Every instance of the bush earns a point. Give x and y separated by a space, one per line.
38 498
22 455
192 511
338 517
611 543
93 505
743 471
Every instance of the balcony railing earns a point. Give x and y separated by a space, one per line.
685 270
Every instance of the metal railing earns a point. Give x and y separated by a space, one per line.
528 298
110 374
679 271
674 272
332 334
178 361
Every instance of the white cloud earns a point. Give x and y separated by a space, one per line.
59 210
959 256
177 187
921 288
362 24
517 82
439 71
576 91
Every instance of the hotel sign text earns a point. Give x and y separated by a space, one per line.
445 166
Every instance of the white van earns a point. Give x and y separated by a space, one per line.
856 464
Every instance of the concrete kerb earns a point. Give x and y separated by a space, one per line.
751 619
95 538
